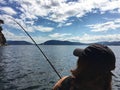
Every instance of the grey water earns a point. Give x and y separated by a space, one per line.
23 67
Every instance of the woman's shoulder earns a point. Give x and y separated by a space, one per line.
63 83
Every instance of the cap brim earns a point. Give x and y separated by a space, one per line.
78 52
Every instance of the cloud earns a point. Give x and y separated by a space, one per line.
22 37
8 34
28 25
64 10
2 1
59 35
33 28
111 6
110 25
32 9
8 10
68 24
60 11
86 38
9 22
43 29
29 16
11 36
64 24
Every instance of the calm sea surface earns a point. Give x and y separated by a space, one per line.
23 67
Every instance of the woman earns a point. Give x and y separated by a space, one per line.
93 71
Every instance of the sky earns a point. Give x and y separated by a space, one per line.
85 21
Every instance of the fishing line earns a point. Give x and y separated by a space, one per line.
38 47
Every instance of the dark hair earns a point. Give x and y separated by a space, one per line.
85 73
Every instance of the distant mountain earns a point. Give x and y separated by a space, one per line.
58 42
110 43
18 43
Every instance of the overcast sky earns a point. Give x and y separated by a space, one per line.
73 20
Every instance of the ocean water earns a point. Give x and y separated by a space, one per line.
23 67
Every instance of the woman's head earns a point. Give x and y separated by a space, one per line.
95 58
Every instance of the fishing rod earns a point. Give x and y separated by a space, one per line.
37 47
